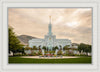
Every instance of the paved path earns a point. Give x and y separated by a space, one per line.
49 57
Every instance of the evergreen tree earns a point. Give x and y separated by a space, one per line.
14 43
84 47
44 47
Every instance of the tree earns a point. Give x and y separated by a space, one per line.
60 47
14 43
81 47
66 47
84 47
39 47
27 48
55 47
87 49
21 49
44 47
34 48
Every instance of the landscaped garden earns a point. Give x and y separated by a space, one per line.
17 52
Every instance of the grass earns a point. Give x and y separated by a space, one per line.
19 60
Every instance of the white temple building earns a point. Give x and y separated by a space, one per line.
49 40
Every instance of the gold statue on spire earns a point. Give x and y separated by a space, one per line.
50 18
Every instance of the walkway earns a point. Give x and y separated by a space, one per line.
49 57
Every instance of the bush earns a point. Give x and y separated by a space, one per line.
65 55
39 53
17 54
33 53
55 55
59 52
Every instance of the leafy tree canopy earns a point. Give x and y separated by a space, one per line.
44 47
34 48
84 47
14 43
65 47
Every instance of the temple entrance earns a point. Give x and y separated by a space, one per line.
49 47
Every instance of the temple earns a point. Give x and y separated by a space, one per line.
50 40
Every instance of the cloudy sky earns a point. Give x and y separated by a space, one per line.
67 23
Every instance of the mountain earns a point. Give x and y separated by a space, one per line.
25 38
75 44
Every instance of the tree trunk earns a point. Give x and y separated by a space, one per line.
87 53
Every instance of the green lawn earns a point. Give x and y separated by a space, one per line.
19 60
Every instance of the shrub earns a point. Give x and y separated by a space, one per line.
27 48
55 55
39 53
59 52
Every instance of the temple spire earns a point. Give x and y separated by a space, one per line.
50 27
50 19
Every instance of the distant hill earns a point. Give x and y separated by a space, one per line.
25 38
75 44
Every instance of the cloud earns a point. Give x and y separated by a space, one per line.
71 23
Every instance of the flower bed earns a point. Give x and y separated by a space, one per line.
50 55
